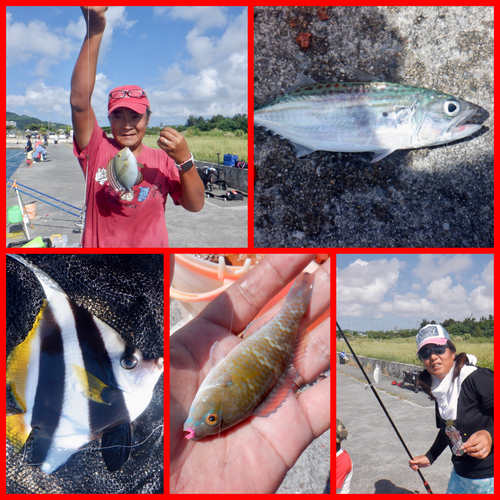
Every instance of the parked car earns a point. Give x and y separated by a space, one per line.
12 136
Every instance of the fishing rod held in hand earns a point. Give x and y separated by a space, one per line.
426 484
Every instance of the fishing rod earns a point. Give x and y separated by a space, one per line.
426 484
39 192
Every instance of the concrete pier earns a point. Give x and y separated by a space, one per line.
219 224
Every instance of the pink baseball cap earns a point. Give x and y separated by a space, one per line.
432 334
128 96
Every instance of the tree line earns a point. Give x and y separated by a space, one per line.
466 329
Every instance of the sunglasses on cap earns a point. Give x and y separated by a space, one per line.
120 94
427 350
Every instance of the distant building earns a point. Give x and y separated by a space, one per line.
12 124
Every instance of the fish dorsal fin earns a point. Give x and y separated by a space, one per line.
302 81
284 385
111 176
18 361
17 430
116 445
91 386
362 76
48 284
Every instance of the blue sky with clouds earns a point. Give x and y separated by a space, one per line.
400 290
189 60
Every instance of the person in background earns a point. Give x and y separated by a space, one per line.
463 394
29 150
344 462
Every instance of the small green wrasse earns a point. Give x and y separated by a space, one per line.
258 374
365 116
123 172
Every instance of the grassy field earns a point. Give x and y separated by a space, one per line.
205 145
404 350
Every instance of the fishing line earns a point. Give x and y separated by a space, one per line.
90 448
426 484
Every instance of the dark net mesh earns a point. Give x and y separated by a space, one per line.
126 292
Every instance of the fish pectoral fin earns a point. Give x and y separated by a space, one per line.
140 165
111 176
278 395
217 354
302 81
302 150
382 154
91 386
17 430
116 445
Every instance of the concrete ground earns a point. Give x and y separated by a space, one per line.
218 224
380 462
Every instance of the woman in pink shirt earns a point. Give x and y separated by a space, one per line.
133 218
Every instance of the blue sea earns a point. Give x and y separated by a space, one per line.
14 159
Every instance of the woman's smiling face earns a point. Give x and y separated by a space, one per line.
439 365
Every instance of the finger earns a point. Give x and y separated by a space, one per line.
315 403
236 307
317 357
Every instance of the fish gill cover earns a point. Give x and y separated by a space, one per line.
126 292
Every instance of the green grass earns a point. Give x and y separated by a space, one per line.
205 145
405 350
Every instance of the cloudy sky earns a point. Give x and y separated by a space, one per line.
401 290
189 60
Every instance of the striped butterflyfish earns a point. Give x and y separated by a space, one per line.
75 379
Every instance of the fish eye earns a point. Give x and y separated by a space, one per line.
129 362
451 108
212 419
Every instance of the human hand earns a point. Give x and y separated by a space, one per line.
478 445
419 462
95 19
254 455
174 144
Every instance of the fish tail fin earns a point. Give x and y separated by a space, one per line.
17 430
301 290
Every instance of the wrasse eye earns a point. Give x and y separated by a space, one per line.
451 108
212 419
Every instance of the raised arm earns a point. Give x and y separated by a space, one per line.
83 78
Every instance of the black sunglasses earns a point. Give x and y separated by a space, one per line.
427 350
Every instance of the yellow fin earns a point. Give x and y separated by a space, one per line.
92 387
18 361
17 431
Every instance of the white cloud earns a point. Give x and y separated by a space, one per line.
53 99
363 285
203 18
36 46
433 266
220 66
487 274
443 291
408 305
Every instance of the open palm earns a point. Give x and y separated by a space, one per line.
254 455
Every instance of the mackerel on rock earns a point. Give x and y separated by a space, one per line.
366 116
